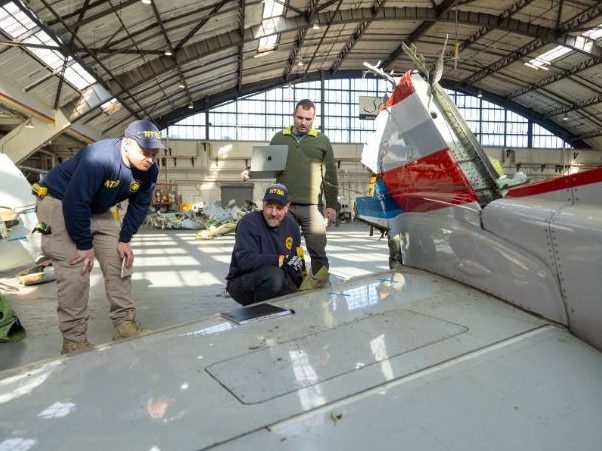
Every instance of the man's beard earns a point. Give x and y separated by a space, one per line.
273 222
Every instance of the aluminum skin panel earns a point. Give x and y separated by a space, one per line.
158 391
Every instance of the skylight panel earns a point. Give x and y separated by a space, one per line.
272 8
111 106
78 76
272 14
586 40
267 44
555 53
15 23
594 33
546 59
51 57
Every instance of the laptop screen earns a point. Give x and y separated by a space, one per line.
268 161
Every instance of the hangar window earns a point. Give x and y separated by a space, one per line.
259 116
543 139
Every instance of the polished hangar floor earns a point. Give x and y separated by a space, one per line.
178 278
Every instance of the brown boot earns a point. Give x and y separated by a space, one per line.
75 346
130 327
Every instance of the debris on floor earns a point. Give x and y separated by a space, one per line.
184 220
41 272
220 221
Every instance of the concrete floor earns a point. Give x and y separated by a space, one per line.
178 278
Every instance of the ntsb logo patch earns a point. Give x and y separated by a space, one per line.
111 183
134 186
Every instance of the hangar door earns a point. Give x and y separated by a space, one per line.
239 193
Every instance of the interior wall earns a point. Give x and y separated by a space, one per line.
201 168
541 164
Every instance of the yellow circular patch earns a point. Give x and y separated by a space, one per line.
289 243
134 186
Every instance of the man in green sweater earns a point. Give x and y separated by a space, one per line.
311 178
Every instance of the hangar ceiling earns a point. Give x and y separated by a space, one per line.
167 59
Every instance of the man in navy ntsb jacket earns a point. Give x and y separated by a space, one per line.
74 204
267 260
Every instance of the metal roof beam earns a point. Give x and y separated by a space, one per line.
203 22
376 8
294 53
575 105
148 71
444 13
241 46
66 51
556 35
504 16
360 16
554 78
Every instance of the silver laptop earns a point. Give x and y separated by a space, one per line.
268 161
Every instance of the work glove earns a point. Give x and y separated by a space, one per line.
295 263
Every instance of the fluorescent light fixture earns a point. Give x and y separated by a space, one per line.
316 25
29 122
168 53
190 105
146 2
300 62
480 94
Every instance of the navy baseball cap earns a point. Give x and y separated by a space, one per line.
145 133
277 192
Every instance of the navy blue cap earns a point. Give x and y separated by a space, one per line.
145 133
277 192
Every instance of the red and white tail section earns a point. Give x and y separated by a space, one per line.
536 245
424 155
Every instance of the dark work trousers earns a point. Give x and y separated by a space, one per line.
260 285
311 220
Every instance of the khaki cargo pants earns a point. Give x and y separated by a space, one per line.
73 287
